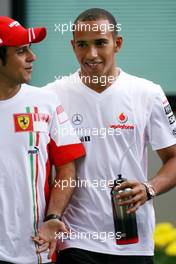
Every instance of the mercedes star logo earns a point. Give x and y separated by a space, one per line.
77 119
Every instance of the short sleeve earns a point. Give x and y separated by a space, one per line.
161 125
64 145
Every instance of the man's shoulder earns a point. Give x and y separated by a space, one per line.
38 93
137 79
140 84
62 85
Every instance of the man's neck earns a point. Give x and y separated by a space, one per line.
7 91
99 83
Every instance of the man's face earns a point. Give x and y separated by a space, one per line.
95 47
18 68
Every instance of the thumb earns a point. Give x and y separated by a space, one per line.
64 228
52 249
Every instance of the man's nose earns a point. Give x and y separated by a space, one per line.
31 56
92 52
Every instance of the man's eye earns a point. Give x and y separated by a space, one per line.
19 51
101 43
81 45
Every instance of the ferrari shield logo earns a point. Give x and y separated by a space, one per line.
23 122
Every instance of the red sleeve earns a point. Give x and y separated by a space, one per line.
60 155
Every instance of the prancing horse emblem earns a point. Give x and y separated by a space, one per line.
23 121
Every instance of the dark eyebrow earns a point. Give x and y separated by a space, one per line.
102 39
81 41
21 47
96 40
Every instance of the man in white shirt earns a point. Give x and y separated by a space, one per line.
32 125
116 115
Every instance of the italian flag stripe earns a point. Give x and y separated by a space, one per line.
36 173
33 160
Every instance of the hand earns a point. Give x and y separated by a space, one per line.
41 245
134 197
47 236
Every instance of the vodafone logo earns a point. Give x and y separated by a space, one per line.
122 118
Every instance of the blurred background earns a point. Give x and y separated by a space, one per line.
149 50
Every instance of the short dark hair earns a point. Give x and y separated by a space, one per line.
97 14
3 54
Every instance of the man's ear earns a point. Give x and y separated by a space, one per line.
118 43
73 44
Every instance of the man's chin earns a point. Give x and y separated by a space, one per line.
26 80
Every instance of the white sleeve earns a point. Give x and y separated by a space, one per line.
161 125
